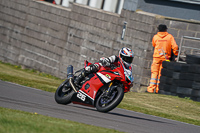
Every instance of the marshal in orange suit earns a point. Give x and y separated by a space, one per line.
163 43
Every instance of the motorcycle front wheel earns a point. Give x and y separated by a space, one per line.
106 103
64 93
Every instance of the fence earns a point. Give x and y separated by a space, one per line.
187 49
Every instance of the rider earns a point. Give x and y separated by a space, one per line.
126 56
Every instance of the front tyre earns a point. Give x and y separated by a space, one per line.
106 103
64 93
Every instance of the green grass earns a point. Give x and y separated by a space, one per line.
171 107
28 77
13 121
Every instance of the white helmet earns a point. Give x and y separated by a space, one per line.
126 55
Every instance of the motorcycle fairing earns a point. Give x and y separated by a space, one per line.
103 78
87 93
82 97
89 90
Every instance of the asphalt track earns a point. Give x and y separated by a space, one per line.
33 100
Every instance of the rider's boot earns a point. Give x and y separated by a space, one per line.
85 72
79 78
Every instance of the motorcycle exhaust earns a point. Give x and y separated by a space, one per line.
70 76
70 71
72 84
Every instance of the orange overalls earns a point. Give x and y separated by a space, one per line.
162 42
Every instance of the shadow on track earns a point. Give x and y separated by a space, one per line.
139 118
119 114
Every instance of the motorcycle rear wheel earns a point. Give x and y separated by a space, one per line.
64 93
106 104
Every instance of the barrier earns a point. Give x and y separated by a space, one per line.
179 79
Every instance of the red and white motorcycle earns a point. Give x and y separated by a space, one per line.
103 90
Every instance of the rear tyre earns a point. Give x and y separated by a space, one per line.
106 103
64 93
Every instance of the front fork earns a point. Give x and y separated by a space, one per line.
110 89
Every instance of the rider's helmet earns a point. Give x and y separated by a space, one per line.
126 55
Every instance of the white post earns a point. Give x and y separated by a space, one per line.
84 2
110 5
120 6
57 2
65 3
96 3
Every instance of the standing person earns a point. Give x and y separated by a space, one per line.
163 43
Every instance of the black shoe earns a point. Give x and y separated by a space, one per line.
148 92
78 80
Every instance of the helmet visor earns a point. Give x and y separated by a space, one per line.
127 59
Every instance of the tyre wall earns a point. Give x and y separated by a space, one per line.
180 79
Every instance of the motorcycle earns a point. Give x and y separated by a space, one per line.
103 90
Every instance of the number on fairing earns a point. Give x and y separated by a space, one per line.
81 96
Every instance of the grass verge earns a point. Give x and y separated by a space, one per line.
13 121
171 107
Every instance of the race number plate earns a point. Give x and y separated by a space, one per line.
81 96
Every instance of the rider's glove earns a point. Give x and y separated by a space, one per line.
92 68
105 61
